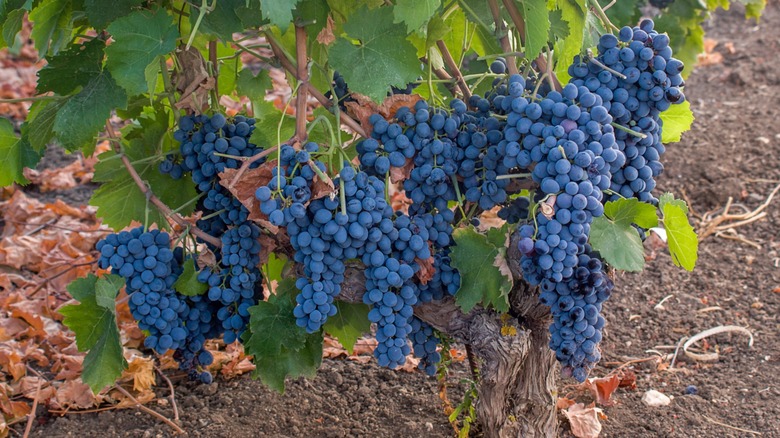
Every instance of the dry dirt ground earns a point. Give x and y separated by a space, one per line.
732 151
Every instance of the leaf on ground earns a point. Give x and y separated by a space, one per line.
676 120
584 421
349 323
96 332
481 282
187 283
603 388
681 238
381 58
141 371
138 39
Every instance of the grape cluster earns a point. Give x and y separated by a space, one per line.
641 80
424 343
144 259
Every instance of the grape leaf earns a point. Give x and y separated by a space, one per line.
682 240
273 370
272 324
668 198
349 323
106 290
625 12
13 25
754 8
382 57
480 281
101 12
632 211
41 122
187 283
223 21
85 114
72 68
267 124
415 13
278 12
15 155
618 243
314 12
676 120
274 269
573 13
138 39
253 86
94 324
537 26
52 25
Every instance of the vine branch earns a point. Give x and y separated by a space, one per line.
303 77
154 199
541 61
447 57
503 39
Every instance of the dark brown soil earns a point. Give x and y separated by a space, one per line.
733 150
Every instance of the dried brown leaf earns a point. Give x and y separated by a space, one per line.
427 271
400 174
564 403
603 388
140 370
584 421
244 190
326 36
75 394
393 103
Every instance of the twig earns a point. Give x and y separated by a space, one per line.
288 65
173 394
447 57
303 78
712 224
214 68
503 39
31 417
731 427
154 199
154 413
248 162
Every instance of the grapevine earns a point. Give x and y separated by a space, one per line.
489 179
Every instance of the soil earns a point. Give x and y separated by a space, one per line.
732 151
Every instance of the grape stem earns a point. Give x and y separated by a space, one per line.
629 131
204 9
147 191
601 14
502 35
594 60
169 91
248 162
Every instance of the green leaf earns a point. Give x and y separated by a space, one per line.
754 8
15 155
278 12
632 211
52 25
573 13
274 268
101 12
537 26
253 86
72 68
625 12
267 123
480 281
349 323
138 39
618 243
12 26
96 331
415 13
106 290
676 120
41 122
681 238
223 21
668 198
382 57
272 324
305 361
85 114
280 347
187 283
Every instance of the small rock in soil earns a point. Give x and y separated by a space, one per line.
654 398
